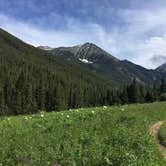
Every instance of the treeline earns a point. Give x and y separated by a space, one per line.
34 90
30 89
138 93
31 80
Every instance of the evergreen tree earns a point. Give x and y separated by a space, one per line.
134 92
124 95
142 94
2 102
163 86
28 103
109 97
40 95
115 97
149 96
17 103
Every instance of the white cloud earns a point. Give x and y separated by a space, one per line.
141 36
158 59
150 48
75 33
144 35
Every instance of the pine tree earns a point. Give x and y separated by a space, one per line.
163 86
149 96
115 97
8 92
17 103
40 95
124 95
2 102
134 92
109 97
142 94
60 98
27 102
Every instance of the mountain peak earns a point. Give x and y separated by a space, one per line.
88 52
92 45
88 44
93 52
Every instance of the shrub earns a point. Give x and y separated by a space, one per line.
163 97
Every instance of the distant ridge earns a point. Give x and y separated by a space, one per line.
162 68
117 71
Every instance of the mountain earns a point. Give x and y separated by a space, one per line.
87 51
31 79
162 68
116 71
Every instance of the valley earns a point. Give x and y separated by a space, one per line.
82 83
77 106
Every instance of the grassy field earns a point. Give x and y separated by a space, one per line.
116 136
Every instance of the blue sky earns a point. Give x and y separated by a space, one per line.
128 29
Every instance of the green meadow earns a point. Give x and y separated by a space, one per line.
113 136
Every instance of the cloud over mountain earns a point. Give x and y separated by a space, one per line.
130 30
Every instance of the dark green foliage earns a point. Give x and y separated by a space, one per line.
137 93
163 86
134 92
2 102
163 97
124 95
32 80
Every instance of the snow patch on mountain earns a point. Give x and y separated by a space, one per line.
85 61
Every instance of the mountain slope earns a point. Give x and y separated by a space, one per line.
99 61
87 51
32 79
162 68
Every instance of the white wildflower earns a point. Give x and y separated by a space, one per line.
26 118
62 114
67 116
104 107
42 115
8 118
93 112
122 109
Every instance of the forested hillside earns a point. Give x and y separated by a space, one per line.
32 80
